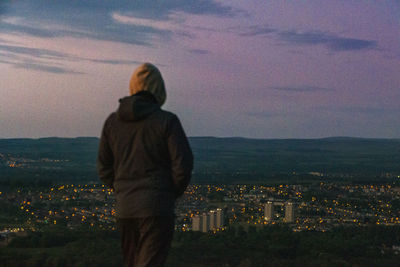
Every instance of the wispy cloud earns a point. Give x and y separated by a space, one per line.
4 55
29 30
304 88
47 60
330 41
4 41
115 61
199 51
35 52
5 61
151 23
137 23
45 68
166 28
257 30
131 34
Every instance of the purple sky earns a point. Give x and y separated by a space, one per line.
262 69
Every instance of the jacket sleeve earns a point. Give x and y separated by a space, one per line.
181 156
105 160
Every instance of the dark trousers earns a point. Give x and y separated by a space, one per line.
146 241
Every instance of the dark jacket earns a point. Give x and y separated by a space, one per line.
145 156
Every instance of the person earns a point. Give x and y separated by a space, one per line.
145 156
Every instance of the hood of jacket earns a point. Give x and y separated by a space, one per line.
137 107
148 78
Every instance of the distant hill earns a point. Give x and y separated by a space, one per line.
216 159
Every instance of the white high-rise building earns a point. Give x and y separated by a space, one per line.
205 223
289 212
213 219
197 223
219 218
269 211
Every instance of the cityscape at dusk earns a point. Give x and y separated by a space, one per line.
258 197
318 207
278 143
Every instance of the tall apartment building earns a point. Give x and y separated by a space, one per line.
219 218
205 218
197 223
290 209
212 220
269 211
289 212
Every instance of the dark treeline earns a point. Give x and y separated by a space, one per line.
222 160
268 246
24 177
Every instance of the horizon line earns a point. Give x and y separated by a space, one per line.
217 137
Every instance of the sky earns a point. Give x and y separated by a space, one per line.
254 68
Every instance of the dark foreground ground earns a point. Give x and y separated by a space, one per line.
269 246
